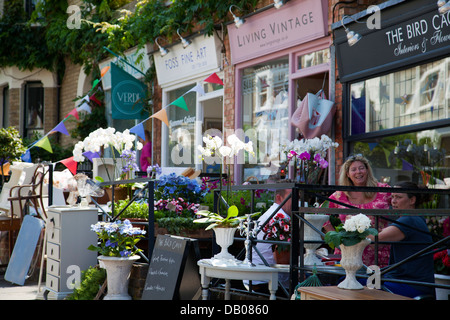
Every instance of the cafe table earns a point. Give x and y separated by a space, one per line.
210 269
335 293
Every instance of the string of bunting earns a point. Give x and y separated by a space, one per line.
138 129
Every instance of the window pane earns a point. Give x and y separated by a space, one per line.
422 157
34 108
265 114
314 58
416 95
181 130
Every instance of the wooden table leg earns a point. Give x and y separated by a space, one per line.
227 289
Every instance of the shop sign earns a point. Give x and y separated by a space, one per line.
423 37
273 30
200 57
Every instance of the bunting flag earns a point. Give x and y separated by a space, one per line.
407 166
74 113
93 98
95 83
44 143
214 78
199 89
372 145
161 115
26 157
91 155
180 102
61 128
139 130
70 164
104 71
84 107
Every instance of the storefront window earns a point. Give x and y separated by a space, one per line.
181 131
416 95
265 114
422 157
314 58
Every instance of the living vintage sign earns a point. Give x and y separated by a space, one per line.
402 41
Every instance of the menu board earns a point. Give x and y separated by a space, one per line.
167 267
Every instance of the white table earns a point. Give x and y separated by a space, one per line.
208 269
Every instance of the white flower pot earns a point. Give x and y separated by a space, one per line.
441 293
317 220
224 238
117 275
351 261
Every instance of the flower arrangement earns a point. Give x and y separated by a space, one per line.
153 171
309 157
98 141
173 186
354 230
278 229
179 206
442 262
117 239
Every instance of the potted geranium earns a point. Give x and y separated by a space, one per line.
118 252
279 229
352 240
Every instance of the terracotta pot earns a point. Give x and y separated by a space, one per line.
119 193
282 257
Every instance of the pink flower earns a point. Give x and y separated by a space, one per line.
305 156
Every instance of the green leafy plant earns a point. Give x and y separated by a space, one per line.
92 280
136 210
216 220
354 230
11 146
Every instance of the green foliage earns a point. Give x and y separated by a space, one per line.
11 145
347 238
135 209
91 282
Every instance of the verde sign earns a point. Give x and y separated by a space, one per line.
127 95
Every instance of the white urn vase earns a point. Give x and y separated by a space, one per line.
351 261
317 220
117 276
224 238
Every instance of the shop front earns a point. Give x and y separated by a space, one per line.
280 55
190 105
396 91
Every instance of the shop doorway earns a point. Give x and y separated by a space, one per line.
212 125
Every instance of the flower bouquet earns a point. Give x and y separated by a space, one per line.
442 262
122 143
309 157
354 230
117 239
278 229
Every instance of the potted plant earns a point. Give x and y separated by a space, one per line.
224 228
118 252
279 229
352 240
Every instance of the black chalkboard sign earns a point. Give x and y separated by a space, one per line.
173 271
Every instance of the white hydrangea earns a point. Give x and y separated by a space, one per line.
359 222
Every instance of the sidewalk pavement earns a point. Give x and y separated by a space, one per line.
11 291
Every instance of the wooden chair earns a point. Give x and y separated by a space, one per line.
23 197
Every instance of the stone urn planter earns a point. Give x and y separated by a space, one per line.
224 238
117 276
351 261
317 220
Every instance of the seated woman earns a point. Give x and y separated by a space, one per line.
356 171
408 229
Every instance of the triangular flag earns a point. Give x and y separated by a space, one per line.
91 155
61 128
139 130
104 71
199 89
84 107
26 157
70 164
372 145
214 78
74 113
180 102
406 166
161 115
95 83
93 98
44 143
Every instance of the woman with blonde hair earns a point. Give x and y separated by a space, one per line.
357 171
